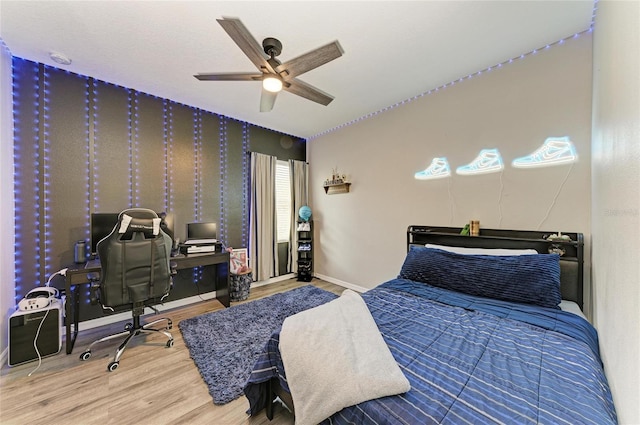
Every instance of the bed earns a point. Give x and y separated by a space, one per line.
479 336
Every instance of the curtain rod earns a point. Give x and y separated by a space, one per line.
250 152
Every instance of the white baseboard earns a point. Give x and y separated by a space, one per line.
342 283
273 280
114 318
319 276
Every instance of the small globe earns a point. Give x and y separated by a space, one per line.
305 213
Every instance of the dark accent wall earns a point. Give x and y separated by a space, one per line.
83 145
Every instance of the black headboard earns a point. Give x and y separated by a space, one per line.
571 258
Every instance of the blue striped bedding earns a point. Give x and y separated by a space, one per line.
472 360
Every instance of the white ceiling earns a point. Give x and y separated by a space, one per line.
394 50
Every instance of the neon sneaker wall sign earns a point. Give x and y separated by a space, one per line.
487 161
554 151
438 169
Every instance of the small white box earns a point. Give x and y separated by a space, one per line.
201 248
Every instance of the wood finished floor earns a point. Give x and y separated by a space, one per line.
153 385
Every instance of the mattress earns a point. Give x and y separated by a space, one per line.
472 359
572 307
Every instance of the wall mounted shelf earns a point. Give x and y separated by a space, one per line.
331 189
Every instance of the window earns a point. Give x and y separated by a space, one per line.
283 201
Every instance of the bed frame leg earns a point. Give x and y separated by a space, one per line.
270 397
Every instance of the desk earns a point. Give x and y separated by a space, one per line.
77 275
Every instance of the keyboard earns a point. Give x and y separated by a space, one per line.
200 241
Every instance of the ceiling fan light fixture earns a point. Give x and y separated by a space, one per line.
272 84
274 74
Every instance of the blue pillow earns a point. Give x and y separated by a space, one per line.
528 279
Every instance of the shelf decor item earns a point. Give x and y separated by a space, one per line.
238 260
474 227
336 183
304 213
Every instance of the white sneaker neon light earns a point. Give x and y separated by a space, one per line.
487 161
438 169
554 151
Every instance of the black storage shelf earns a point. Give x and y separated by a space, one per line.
305 252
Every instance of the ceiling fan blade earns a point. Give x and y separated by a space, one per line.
267 99
310 60
307 91
231 76
243 38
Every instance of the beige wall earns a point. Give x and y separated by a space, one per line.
616 199
7 233
361 236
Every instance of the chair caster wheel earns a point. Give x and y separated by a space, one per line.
113 366
169 343
85 356
169 325
128 327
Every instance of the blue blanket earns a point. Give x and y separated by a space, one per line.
475 360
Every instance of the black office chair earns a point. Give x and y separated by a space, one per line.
135 273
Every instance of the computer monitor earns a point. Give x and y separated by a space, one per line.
101 225
201 231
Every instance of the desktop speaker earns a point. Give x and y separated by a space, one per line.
23 327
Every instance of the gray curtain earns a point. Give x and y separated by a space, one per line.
299 177
263 244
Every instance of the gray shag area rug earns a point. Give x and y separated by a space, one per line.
225 344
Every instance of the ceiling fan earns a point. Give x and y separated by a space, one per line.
275 76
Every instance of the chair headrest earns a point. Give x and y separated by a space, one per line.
149 227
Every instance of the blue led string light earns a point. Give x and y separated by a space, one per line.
136 149
87 153
197 160
131 148
449 84
23 214
95 174
593 14
96 146
245 182
170 142
46 167
89 113
197 176
165 143
17 177
223 175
